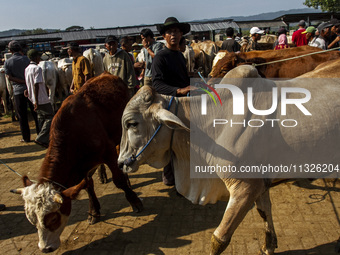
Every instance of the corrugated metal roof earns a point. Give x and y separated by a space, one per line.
119 32
261 23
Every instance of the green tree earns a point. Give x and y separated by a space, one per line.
75 28
34 31
324 5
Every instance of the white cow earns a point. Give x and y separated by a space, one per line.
3 88
315 139
10 90
96 61
64 77
50 75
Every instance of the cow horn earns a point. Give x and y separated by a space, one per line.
17 191
58 198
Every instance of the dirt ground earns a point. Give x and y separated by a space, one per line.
306 215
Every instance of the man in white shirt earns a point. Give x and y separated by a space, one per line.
37 94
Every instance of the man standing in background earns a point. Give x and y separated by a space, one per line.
118 63
37 94
298 38
150 49
81 68
15 71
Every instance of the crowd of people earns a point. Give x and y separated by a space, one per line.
159 65
325 36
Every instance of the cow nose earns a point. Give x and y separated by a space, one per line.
47 249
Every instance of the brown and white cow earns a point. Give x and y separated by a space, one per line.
315 139
84 134
286 69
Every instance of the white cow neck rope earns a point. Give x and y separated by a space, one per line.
301 56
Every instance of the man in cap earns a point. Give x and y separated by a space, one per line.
169 72
255 33
298 38
37 94
310 35
15 71
81 68
118 62
335 34
324 33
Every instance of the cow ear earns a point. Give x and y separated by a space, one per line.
170 120
26 181
73 192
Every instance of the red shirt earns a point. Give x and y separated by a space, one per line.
298 38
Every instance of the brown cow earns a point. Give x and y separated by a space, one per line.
285 69
204 55
84 134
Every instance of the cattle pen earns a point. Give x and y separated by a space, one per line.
306 215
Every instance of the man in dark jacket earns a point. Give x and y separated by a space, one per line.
15 71
230 44
169 72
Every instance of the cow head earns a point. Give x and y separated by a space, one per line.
47 209
141 117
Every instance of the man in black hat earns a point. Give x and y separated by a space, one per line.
169 72
15 71
118 63
324 30
335 34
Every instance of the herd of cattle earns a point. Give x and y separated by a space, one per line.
90 124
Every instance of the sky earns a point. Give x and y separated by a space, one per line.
61 14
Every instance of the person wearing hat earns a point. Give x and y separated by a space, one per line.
37 94
118 62
310 35
150 49
335 34
169 72
255 34
324 33
15 72
298 38
81 68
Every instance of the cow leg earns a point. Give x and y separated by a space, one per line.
264 208
121 181
242 198
94 206
102 174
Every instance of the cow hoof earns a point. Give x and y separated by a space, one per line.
138 207
217 246
93 219
264 251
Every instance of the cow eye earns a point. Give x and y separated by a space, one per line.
52 221
132 124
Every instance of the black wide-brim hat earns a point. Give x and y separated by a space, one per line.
173 22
